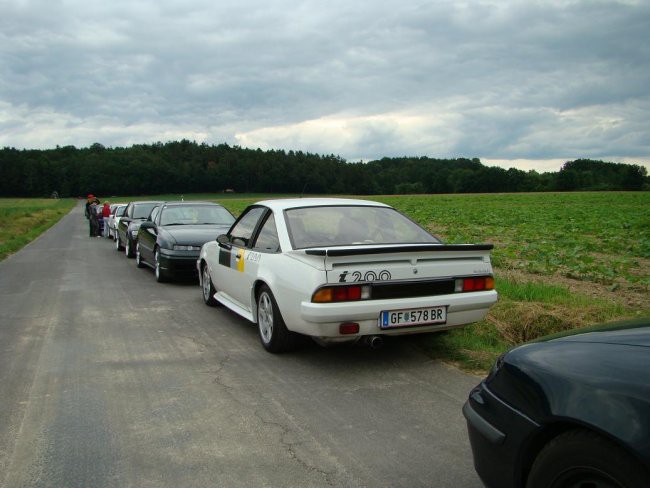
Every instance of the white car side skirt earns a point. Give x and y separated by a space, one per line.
234 306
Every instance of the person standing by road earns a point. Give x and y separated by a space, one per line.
89 201
106 213
93 219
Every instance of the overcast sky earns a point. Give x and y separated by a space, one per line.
527 84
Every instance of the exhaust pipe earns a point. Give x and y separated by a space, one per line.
373 341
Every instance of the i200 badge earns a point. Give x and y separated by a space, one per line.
347 277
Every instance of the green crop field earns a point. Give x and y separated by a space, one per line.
561 260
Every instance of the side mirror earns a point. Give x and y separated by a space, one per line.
223 239
147 225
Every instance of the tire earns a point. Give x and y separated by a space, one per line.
273 332
161 274
128 249
118 244
583 458
207 288
138 257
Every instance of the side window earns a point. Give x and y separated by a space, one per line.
267 240
240 235
154 214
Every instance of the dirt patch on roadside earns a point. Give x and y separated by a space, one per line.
628 295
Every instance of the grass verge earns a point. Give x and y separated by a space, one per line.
525 311
23 220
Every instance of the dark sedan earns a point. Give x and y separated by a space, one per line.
567 411
127 228
171 238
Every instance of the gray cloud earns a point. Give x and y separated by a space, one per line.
499 80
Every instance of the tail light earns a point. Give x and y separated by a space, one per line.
352 293
475 283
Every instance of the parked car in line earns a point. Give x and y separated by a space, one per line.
170 240
338 270
117 210
570 410
127 229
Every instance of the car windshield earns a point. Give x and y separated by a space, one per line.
142 210
352 225
195 214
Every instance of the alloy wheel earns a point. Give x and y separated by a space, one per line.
265 317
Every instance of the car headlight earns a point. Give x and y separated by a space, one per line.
186 248
134 232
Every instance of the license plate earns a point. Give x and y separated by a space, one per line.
410 317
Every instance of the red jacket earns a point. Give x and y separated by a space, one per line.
106 211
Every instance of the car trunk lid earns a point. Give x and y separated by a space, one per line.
404 262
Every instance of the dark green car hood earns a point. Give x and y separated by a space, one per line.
629 332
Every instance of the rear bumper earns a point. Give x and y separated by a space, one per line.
323 320
498 434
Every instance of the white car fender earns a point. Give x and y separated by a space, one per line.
291 283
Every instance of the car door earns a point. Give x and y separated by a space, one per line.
124 223
148 235
230 277
265 247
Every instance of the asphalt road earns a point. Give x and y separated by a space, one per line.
109 379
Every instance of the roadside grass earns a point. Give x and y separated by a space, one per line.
22 220
561 260
525 311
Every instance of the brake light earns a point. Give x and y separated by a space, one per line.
351 293
475 283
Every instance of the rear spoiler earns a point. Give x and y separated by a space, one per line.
350 251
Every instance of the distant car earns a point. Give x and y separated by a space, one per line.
339 270
127 229
170 240
569 410
117 210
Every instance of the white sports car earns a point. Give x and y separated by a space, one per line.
340 270
117 210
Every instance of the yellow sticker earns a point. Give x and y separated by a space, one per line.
240 261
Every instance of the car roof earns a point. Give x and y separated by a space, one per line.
287 203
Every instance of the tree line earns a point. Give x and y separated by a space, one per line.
188 167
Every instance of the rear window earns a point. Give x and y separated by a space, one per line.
142 210
195 214
352 225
